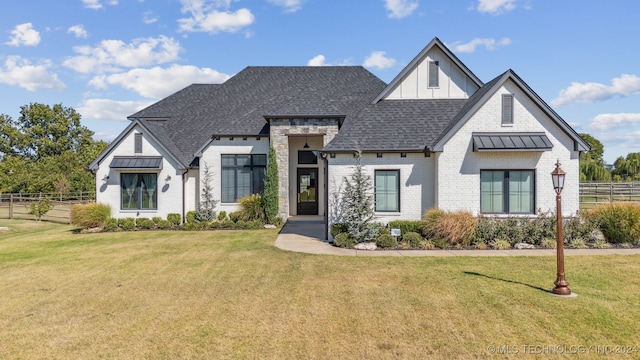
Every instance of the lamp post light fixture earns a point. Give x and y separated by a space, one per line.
562 286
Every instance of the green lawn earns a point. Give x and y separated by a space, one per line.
231 294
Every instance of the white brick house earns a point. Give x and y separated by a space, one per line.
435 136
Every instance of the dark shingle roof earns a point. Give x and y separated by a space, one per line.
239 106
395 125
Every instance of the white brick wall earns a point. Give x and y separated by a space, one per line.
459 167
416 182
212 157
169 193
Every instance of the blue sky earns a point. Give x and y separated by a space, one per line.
110 58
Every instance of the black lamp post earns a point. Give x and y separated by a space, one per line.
562 286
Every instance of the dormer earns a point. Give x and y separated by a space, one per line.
435 73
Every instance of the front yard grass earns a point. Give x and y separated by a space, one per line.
232 294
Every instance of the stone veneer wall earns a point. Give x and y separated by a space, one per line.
280 130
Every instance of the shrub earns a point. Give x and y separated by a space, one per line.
112 225
90 215
39 208
143 223
480 245
174 218
205 209
427 245
233 216
164 224
251 208
271 199
222 215
344 240
240 224
338 228
412 238
429 221
500 244
619 222
194 226
386 241
255 225
578 244
406 226
277 221
582 227
156 219
549 243
458 227
191 217
441 243
127 224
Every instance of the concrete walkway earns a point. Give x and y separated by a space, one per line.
304 233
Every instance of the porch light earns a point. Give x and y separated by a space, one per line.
306 145
557 176
168 178
105 178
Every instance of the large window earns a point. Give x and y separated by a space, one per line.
507 191
139 191
387 190
242 175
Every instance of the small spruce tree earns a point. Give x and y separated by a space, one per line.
357 201
206 207
271 197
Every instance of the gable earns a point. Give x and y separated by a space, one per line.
436 73
530 113
135 140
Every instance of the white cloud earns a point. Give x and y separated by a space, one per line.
610 121
148 17
159 82
489 44
111 55
318 60
24 34
625 85
205 16
96 4
496 7
78 31
378 60
20 72
105 109
290 6
400 8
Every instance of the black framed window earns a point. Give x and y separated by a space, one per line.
507 191
242 175
307 156
387 190
139 191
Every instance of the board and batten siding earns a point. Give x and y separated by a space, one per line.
458 167
169 192
453 83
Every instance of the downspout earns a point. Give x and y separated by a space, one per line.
184 206
326 197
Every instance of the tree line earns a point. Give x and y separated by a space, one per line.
593 169
46 150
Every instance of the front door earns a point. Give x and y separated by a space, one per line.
307 191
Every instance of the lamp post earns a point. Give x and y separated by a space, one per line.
562 286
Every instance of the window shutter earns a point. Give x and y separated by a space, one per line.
433 74
138 144
507 109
